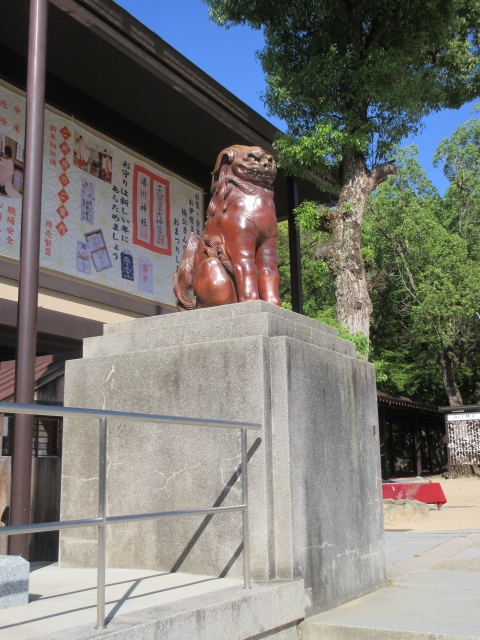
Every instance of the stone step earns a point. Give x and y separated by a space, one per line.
339 632
211 314
271 610
161 334
428 605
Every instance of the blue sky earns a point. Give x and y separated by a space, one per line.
229 57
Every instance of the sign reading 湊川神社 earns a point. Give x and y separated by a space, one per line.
108 216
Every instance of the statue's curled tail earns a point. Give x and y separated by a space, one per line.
208 284
183 281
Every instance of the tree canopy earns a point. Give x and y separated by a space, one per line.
460 157
352 79
426 303
423 271
357 75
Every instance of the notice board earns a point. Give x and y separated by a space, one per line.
109 216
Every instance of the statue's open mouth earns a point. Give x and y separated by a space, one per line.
261 174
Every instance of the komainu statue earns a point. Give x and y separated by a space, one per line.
235 260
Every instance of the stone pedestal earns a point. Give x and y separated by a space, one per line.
314 469
14 579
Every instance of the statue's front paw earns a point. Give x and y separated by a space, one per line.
274 300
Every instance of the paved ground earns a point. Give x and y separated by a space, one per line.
65 598
433 593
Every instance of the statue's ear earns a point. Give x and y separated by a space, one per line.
226 156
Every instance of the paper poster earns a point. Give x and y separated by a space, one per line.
98 250
106 213
145 274
83 257
127 265
87 210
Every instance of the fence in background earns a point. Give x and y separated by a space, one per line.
46 436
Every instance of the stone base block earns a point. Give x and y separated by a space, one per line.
14 577
404 511
314 470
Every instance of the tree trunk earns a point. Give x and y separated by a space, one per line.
343 251
448 362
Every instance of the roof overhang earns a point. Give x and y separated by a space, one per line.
111 59
400 402
467 408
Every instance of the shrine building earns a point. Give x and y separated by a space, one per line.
119 100
132 133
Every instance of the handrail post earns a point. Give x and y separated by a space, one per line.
102 513
102 520
246 539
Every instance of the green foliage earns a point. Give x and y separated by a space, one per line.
423 269
319 298
308 216
358 77
429 291
360 340
460 157
317 151
368 254
317 284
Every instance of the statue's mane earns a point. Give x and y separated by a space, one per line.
227 187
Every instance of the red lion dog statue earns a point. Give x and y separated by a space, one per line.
236 257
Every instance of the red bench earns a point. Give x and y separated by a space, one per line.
430 493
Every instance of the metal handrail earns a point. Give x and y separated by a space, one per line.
103 519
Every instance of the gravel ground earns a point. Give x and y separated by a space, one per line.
461 512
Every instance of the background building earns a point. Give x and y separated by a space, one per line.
122 94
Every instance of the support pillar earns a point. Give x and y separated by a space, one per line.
383 443
294 247
392 449
446 440
28 280
418 447
429 447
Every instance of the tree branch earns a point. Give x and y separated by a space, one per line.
399 252
381 172
325 250
397 248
